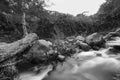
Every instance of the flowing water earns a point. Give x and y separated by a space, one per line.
94 69
86 66
31 75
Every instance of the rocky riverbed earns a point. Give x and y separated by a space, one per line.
92 58
80 67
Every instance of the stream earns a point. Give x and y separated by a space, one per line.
31 75
82 66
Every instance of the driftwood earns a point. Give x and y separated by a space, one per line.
10 50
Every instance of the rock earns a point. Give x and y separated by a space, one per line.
95 40
113 51
85 55
38 51
99 54
45 43
82 45
102 53
61 57
90 38
51 52
95 37
80 38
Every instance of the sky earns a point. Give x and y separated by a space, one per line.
76 6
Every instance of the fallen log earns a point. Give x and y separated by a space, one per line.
10 50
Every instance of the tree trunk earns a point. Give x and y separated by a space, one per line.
25 32
8 51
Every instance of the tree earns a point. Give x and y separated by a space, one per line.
22 12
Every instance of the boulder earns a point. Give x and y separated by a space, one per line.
95 37
95 40
82 45
38 52
61 58
40 48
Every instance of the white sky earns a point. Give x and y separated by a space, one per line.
76 6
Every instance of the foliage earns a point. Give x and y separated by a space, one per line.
108 16
12 15
52 24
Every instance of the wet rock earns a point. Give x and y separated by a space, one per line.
84 56
96 41
113 51
82 45
38 52
91 38
41 47
61 58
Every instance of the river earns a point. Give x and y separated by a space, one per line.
80 67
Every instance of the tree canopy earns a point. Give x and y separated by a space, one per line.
52 24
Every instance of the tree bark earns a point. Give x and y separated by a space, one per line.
25 32
8 51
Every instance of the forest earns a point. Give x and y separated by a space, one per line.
52 24
31 35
